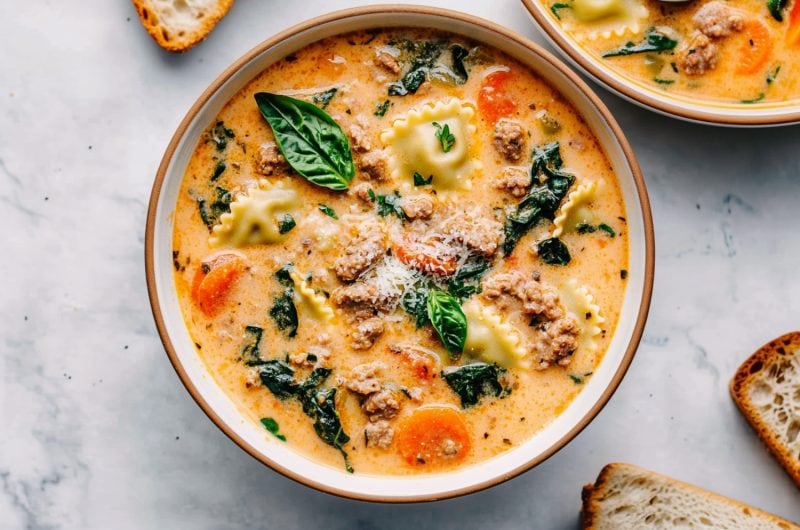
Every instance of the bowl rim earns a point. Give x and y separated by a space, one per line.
425 11
614 83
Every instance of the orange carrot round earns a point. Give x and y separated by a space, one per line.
756 48
793 33
212 281
493 99
433 436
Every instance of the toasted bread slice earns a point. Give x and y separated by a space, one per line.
766 388
627 497
177 25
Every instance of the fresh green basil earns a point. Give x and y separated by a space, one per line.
553 251
653 42
390 204
607 229
419 180
312 143
448 320
327 210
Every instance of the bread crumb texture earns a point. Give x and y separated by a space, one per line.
177 25
627 497
767 390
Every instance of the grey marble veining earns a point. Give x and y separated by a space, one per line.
97 431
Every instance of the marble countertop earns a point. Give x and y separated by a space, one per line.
98 431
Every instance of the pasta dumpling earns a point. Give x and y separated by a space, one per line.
578 300
574 209
491 338
254 216
415 146
315 305
596 19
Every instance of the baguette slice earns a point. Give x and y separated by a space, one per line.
627 497
177 25
766 388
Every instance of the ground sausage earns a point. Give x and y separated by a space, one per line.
366 332
379 434
556 341
373 164
381 405
537 299
698 55
480 235
418 207
270 160
359 138
363 378
363 299
387 60
509 139
717 20
515 180
366 245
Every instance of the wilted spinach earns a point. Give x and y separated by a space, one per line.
278 377
251 353
475 380
323 99
653 42
415 303
553 251
220 135
466 280
211 213
389 204
285 223
776 8
218 170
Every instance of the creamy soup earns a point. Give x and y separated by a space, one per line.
400 252
734 51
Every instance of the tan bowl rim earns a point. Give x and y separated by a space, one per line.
429 12
618 85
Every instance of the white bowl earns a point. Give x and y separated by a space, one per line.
251 437
680 106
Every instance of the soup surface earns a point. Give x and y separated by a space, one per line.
732 51
400 251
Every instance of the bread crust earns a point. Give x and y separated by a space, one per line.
168 39
592 496
739 388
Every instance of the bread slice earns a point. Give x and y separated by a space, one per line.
766 388
177 25
627 497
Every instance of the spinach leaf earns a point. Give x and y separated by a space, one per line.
466 280
446 139
423 57
327 210
278 377
419 180
312 143
220 135
284 313
285 223
323 99
773 75
272 426
284 276
415 303
558 6
390 204
607 229
307 389
327 424
458 54
448 320
776 8
475 380
251 352
381 108
653 42
218 170
211 213
585 228
756 99
553 251
542 200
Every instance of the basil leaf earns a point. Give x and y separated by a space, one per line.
445 137
312 143
448 320
419 180
553 251
327 210
607 229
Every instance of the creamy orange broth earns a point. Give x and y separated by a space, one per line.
774 77
348 62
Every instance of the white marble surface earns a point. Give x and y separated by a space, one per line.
98 432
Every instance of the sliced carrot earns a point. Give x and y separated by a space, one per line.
493 99
793 33
212 281
433 436
756 48
422 257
